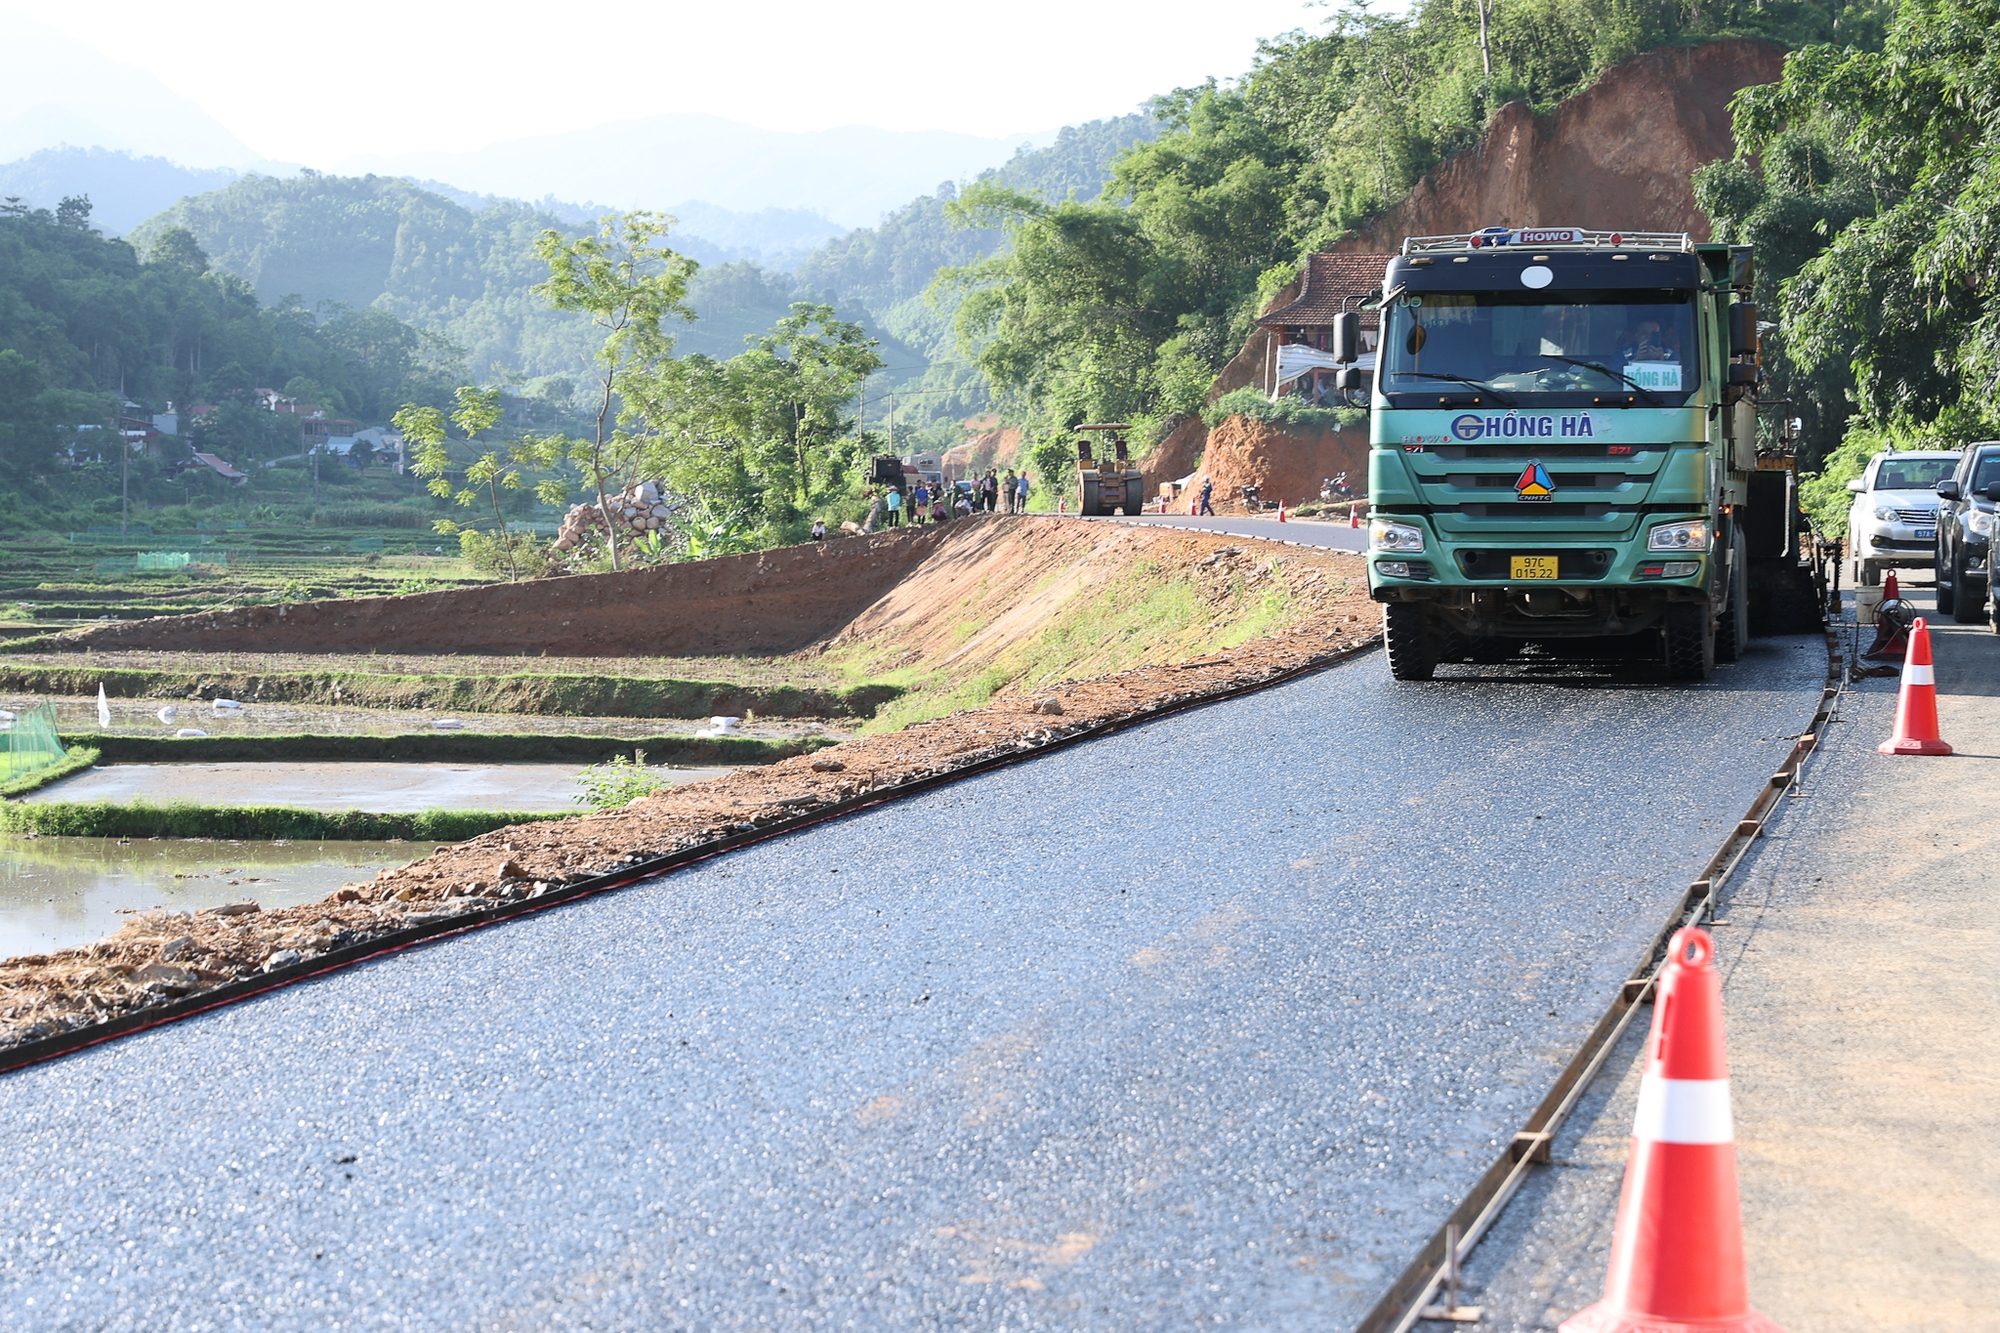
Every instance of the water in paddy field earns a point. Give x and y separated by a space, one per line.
381 788
77 717
56 893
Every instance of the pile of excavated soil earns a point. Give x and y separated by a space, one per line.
159 957
1288 463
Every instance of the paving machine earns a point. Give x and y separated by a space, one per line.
1107 484
1564 448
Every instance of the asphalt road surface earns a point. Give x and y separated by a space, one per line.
1207 1022
1304 532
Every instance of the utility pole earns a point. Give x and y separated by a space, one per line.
124 464
1485 53
892 425
861 416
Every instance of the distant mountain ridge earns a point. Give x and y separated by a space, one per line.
58 92
853 175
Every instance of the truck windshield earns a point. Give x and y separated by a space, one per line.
1543 345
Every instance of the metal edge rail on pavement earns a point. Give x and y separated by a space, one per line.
640 870
1404 1303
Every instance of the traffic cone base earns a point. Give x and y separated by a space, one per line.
1916 705
1602 1319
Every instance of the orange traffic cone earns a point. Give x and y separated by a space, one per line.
1916 707
1281 511
1677 1250
1354 516
1891 591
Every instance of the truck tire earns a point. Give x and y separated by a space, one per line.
1947 590
1689 630
1135 496
1407 635
1086 500
1732 633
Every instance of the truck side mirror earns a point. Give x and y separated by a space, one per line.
1948 488
1993 492
1347 337
1857 486
1347 380
1743 329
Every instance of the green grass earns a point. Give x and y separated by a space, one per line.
143 819
548 695
1105 627
75 760
447 747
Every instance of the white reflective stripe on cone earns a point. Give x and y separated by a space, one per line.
1683 1110
1919 674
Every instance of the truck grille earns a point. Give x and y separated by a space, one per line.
1924 516
1499 565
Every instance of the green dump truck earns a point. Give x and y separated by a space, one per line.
1565 450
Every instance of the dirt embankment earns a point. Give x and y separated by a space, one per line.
775 601
1287 463
1023 612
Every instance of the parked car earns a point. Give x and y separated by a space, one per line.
1965 532
1893 520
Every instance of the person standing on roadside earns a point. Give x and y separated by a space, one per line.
1207 489
1007 492
1021 489
874 511
894 500
920 503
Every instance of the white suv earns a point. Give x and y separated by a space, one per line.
1894 517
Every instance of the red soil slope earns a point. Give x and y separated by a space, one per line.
1617 155
1285 463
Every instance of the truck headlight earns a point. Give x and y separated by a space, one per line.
1979 523
1399 537
1886 513
1679 537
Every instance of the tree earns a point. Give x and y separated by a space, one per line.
769 427
629 283
486 473
1906 293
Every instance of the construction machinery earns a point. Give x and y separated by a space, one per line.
1565 447
1107 484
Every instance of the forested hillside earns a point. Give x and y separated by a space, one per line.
462 266
1126 307
85 319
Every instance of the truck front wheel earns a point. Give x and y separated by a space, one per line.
1412 656
1690 634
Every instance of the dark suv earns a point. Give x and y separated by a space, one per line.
1965 532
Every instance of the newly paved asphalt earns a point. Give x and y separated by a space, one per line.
1207 1022
1302 532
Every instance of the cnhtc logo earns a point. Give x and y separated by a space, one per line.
1468 427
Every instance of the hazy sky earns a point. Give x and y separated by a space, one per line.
318 83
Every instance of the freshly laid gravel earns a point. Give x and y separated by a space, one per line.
1209 1021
